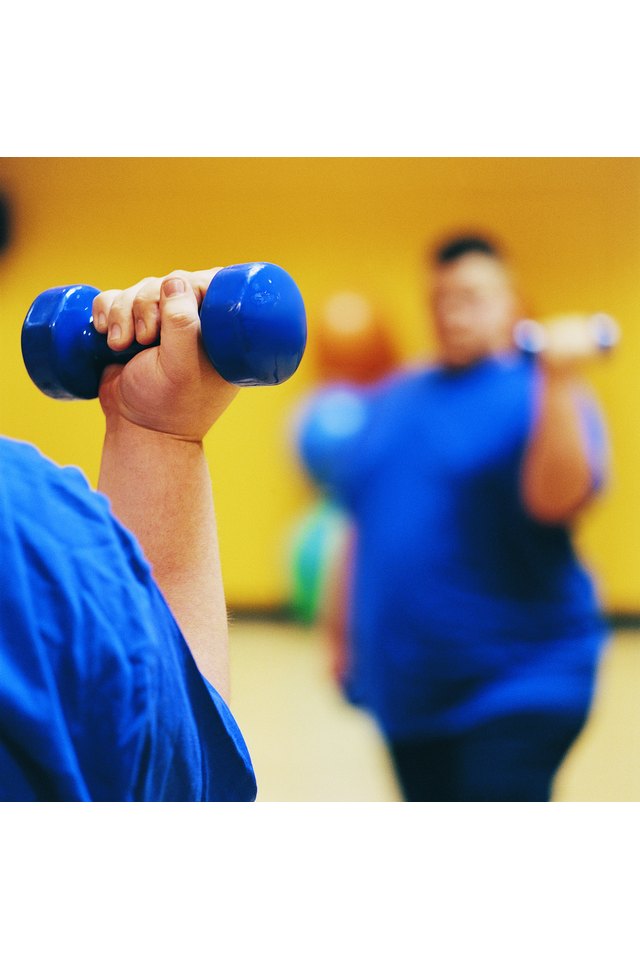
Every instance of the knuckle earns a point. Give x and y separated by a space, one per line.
146 300
118 313
139 306
180 317
148 289
103 300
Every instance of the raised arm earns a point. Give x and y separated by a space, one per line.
559 472
158 408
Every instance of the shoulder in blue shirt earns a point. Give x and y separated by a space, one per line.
100 698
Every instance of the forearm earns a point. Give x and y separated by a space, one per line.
557 475
160 489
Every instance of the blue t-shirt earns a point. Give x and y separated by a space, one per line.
100 698
464 608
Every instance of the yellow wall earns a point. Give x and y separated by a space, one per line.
571 224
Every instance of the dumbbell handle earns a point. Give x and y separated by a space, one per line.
252 320
531 336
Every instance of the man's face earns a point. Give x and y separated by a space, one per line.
474 307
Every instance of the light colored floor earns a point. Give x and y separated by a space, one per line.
604 764
307 744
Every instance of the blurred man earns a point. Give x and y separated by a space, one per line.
472 633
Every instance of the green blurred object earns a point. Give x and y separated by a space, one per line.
316 541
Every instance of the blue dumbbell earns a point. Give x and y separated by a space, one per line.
531 336
325 426
252 320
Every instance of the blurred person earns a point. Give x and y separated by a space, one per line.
113 629
461 617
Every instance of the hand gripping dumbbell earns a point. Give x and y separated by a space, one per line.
252 320
531 336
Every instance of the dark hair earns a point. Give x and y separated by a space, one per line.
458 246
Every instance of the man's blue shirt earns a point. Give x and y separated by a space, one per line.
464 607
100 698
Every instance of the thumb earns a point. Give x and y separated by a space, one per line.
179 322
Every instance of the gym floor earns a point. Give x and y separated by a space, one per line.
307 744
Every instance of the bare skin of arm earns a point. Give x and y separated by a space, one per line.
556 477
158 408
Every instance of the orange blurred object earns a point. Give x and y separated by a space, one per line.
352 343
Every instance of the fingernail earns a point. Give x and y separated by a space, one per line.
141 328
115 332
101 322
173 287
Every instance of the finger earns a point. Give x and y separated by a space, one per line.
120 322
572 339
146 305
101 307
569 344
198 280
146 311
179 324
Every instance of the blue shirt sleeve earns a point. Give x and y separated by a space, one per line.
100 698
